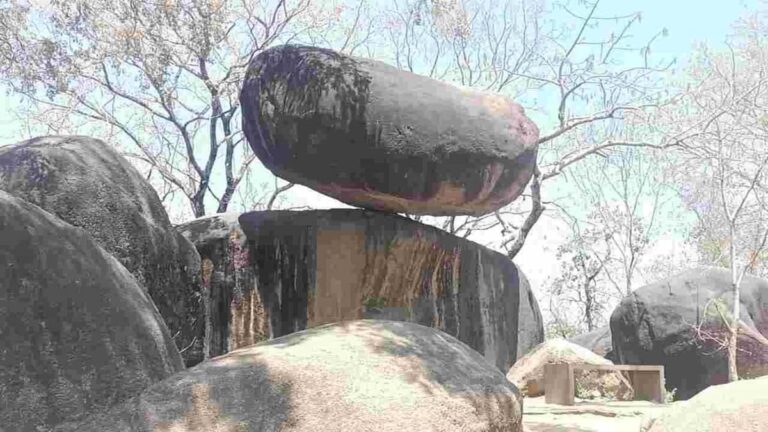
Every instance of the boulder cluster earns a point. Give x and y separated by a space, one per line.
113 319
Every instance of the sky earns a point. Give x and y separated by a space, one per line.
687 21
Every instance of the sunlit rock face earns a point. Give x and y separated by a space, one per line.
369 375
277 272
666 323
77 332
86 183
377 137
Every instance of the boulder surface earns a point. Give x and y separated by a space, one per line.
86 183
368 375
740 406
598 341
374 136
658 324
277 272
77 333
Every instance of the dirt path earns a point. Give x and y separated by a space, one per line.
587 416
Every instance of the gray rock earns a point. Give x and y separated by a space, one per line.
655 325
361 376
598 341
377 137
86 183
275 273
77 333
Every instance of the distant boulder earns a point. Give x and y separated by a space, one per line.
658 323
374 136
362 376
598 341
77 333
86 183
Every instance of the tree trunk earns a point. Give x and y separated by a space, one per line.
733 374
589 306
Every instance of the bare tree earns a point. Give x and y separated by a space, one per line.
160 78
573 77
633 201
580 285
725 175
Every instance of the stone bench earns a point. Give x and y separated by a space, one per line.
559 385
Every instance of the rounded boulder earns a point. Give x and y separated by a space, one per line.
77 333
363 376
88 184
374 136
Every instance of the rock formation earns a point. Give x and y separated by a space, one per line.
86 183
277 272
657 325
374 136
598 341
77 333
368 375
528 372
740 406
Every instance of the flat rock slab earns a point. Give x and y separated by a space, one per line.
86 183
77 333
656 325
274 273
362 376
374 136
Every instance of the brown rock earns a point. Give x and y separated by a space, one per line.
77 333
302 269
88 184
361 376
374 136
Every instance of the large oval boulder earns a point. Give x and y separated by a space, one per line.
369 375
739 406
88 184
374 136
77 333
276 272
675 323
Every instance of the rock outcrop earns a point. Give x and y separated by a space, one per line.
740 406
77 333
374 136
274 273
237 317
658 324
86 183
598 341
368 375
528 372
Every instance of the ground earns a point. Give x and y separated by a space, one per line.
587 415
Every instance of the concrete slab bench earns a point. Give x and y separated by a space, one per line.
560 386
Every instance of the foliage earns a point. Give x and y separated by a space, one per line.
374 302
159 78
